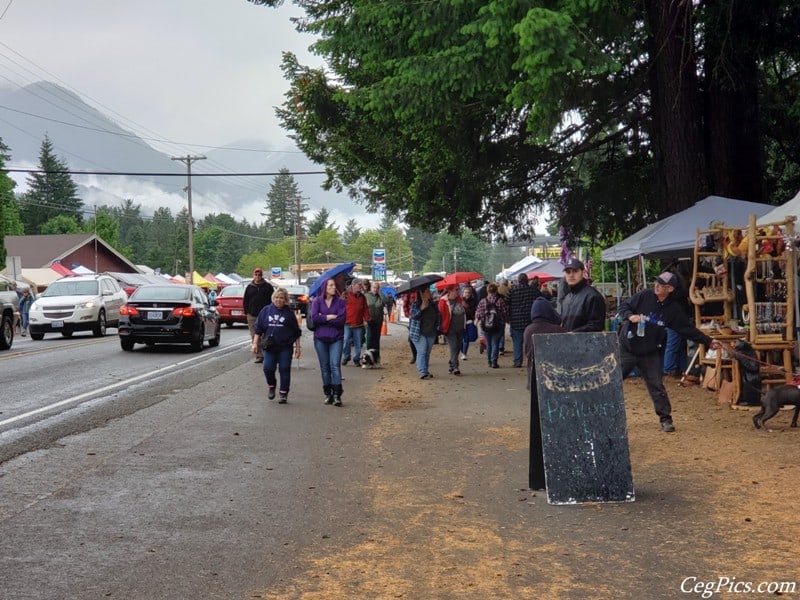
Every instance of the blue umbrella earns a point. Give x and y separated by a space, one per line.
388 291
329 274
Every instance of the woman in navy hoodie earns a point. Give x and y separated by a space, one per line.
275 331
328 315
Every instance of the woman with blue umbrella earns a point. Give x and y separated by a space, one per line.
339 274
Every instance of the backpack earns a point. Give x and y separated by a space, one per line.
491 319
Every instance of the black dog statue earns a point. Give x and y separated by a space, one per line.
773 401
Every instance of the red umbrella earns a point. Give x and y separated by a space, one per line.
457 278
543 277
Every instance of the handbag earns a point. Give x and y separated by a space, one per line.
471 332
267 343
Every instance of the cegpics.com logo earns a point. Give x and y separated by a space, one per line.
731 585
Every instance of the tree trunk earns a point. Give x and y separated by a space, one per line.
733 133
678 147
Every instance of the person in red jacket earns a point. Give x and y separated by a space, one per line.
454 322
355 319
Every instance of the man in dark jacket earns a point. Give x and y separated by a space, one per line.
583 308
520 300
257 295
645 316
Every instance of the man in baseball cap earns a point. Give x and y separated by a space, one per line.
657 309
583 308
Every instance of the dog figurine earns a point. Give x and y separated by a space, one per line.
772 402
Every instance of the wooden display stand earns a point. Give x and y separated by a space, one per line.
710 287
769 282
768 315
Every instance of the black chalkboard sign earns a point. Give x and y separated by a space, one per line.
584 438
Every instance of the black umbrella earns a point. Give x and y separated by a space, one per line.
416 283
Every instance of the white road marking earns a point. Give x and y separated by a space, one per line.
121 384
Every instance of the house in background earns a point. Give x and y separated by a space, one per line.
33 253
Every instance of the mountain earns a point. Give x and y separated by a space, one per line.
86 139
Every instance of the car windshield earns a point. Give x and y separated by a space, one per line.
231 290
164 293
71 288
297 290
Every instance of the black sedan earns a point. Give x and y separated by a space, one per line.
298 298
168 313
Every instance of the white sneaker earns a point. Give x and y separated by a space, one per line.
462 356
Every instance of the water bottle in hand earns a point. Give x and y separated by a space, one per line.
641 325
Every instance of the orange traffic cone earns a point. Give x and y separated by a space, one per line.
299 316
391 317
384 329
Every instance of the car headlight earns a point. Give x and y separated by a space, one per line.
89 304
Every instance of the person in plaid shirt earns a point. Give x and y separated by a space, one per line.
520 300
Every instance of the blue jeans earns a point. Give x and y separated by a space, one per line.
517 336
493 345
675 359
330 361
424 345
282 360
356 336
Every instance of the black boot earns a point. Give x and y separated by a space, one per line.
328 389
337 395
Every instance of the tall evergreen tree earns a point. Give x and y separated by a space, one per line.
320 222
283 199
351 233
51 192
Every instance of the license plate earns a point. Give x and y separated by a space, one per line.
154 316
56 324
236 313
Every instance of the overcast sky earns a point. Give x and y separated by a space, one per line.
192 72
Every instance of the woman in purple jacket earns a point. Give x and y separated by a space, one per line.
327 314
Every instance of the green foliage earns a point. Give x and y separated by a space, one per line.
351 233
51 192
325 247
319 222
283 201
60 224
476 114
10 222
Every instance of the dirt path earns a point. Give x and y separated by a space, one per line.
447 512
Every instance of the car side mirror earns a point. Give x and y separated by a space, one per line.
107 293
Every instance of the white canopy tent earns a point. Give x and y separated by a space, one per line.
522 265
674 236
779 213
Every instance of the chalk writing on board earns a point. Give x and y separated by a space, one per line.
580 379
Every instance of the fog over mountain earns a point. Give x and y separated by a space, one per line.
88 139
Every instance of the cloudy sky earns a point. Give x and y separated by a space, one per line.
191 72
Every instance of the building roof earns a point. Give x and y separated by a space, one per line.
39 251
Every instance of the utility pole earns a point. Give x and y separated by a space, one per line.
455 259
188 160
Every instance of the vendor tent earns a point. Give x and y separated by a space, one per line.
675 236
779 213
553 268
518 267
201 281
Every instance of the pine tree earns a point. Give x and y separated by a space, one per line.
51 192
281 207
320 222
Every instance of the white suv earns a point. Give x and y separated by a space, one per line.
77 303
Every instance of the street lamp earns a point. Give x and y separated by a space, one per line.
327 256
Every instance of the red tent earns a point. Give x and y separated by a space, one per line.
60 269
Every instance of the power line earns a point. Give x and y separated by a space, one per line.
155 174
